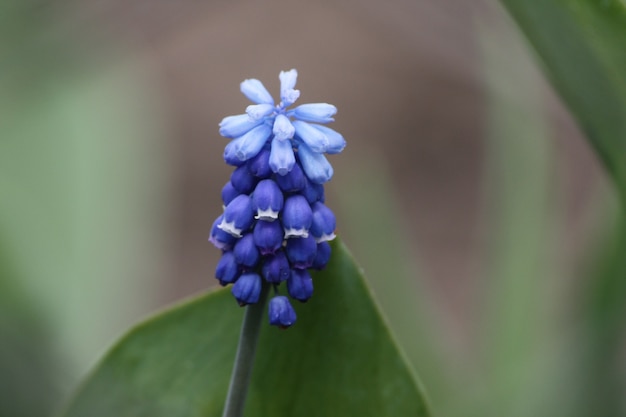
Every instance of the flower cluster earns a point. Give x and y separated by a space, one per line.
275 225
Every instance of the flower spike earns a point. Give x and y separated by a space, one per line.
276 225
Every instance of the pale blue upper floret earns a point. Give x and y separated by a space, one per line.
300 129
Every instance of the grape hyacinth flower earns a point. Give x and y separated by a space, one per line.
275 225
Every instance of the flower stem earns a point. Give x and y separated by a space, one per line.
244 361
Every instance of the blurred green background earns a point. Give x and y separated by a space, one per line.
479 213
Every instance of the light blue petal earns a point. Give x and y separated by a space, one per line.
256 92
283 129
249 145
259 111
315 165
336 142
235 126
288 94
314 138
315 112
282 158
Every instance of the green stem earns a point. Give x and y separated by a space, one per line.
244 361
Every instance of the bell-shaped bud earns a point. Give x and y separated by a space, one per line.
238 216
276 268
256 92
314 138
324 223
322 256
238 125
243 180
229 193
301 252
267 200
299 285
313 192
280 312
297 217
259 166
246 252
268 236
221 239
293 181
227 270
247 289
336 142
315 112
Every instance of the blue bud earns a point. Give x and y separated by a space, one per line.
301 252
230 153
221 239
324 223
336 142
276 268
315 112
293 181
245 251
313 192
315 165
297 217
314 138
322 256
247 289
256 92
238 216
259 166
243 180
227 270
299 285
229 193
288 80
267 200
251 143
268 236
259 111
283 129
235 126
280 312
282 158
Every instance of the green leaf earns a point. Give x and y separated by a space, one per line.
338 360
582 46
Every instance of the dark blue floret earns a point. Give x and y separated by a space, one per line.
280 312
229 193
297 216
221 239
323 225
292 181
301 251
259 166
243 180
276 268
322 256
300 285
227 270
267 200
247 289
313 192
238 216
268 236
246 252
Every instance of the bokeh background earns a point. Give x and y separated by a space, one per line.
466 191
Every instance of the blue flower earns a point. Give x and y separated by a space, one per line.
276 225
288 131
280 312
